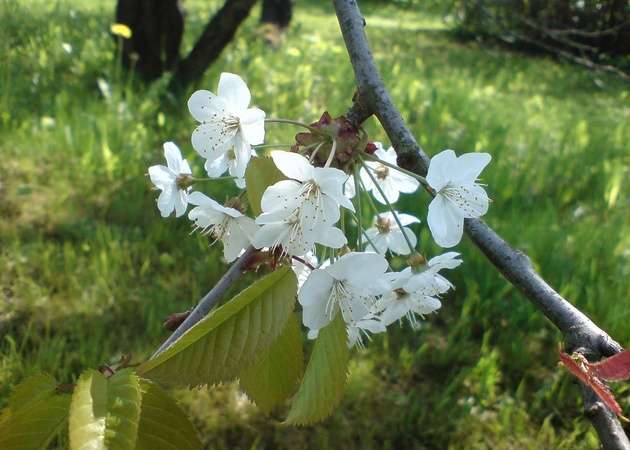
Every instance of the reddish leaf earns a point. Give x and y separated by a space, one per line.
579 366
615 368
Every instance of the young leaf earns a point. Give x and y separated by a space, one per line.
274 378
614 368
104 413
35 413
325 377
230 337
163 425
582 371
260 174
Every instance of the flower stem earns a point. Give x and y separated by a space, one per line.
357 194
271 145
394 166
389 205
303 261
294 122
214 179
331 155
314 154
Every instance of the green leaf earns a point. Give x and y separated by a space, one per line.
230 337
274 378
163 424
260 174
35 413
325 378
104 413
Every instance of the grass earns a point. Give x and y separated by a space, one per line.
88 270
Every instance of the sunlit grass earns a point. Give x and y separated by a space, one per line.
88 270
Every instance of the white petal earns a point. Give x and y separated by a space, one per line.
426 305
440 167
388 155
173 157
282 196
184 168
293 165
353 309
253 126
330 237
380 241
216 167
313 297
468 167
389 189
313 214
204 105
211 139
248 226
161 176
270 235
359 268
471 200
331 182
234 91
404 183
205 217
395 310
445 222
165 202
397 242
448 260
366 181
349 190
405 219
234 242
243 153
181 202
240 183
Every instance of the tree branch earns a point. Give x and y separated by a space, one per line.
579 331
209 301
218 33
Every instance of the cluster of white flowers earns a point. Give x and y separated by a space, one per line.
302 215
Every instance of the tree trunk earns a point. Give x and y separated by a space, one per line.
277 12
157 27
217 34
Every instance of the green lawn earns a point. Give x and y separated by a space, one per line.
88 269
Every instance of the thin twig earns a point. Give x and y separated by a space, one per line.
580 332
209 301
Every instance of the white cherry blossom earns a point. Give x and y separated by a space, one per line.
227 124
300 212
399 302
387 235
391 181
321 187
350 285
225 224
428 276
295 236
457 195
169 179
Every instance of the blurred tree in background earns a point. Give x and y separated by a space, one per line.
589 32
158 25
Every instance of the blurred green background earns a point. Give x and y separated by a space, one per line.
88 269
